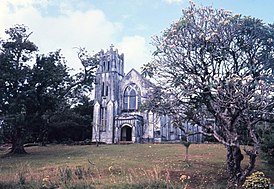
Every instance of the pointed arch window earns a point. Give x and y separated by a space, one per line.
103 119
132 98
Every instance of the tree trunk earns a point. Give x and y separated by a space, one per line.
252 160
186 156
44 136
18 143
234 158
237 175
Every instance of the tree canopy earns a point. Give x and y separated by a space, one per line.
33 87
215 69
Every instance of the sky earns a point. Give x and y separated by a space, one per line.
129 25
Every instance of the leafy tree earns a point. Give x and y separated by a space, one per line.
73 124
47 95
215 69
84 110
31 95
16 51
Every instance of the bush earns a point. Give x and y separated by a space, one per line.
257 181
267 145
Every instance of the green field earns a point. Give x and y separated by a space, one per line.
118 166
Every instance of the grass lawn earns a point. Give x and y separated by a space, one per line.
116 166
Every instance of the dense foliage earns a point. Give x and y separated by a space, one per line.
74 124
34 87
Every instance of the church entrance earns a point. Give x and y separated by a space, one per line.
126 133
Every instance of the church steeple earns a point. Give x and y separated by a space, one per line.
108 76
111 61
111 68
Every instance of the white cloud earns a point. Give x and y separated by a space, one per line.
136 52
19 2
88 29
73 28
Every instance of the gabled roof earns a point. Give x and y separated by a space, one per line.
135 75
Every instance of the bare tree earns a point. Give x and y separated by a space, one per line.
213 65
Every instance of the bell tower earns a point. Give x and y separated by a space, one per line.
109 73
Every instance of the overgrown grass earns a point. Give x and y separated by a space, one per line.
117 166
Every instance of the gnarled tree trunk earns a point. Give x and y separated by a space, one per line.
236 172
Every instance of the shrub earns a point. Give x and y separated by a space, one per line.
267 144
257 181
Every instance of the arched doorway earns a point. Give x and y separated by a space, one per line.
126 133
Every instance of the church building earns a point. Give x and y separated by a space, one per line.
118 97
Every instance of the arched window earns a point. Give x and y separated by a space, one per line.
103 119
132 99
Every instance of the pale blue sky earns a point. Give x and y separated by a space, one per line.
96 24
151 16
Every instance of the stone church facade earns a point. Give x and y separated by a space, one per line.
118 96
